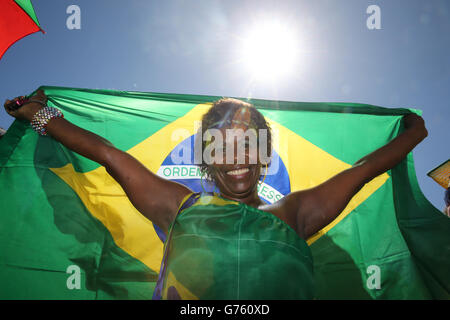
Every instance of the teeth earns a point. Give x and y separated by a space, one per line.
238 171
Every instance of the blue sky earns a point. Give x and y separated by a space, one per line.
192 46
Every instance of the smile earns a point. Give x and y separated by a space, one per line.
238 171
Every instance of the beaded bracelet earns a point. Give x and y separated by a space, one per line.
42 117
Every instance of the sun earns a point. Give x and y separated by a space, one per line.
269 51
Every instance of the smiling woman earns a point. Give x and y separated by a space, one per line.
237 178
230 244
223 246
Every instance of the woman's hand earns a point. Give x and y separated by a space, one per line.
415 123
156 198
319 206
29 109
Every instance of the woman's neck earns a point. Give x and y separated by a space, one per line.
252 199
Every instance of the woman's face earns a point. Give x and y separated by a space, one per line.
238 172
237 175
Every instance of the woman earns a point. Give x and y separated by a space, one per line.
228 245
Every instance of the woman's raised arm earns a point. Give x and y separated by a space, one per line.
315 208
156 198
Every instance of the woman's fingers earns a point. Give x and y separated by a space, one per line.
415 122
41 95
7 108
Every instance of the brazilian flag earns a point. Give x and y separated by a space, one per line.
67 230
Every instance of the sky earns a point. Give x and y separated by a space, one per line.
196 47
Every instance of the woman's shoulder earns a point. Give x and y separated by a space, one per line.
281 210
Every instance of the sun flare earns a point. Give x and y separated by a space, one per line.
269 51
